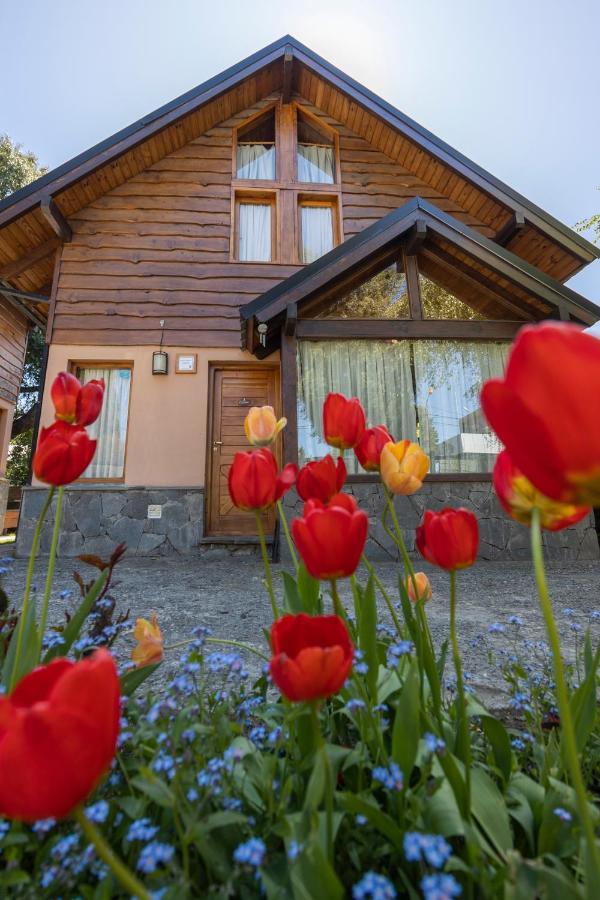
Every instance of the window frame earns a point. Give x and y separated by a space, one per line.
73 367
235 180
335 138
319 200
259 197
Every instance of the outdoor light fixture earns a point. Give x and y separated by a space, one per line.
160 359
262 334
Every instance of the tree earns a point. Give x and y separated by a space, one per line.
592 222
18 167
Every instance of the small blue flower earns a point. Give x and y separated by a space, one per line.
375 887
153 855
516 620
518 744
5 828
433 743
250 853
360 819
64 595
192 795
294 850
431 848
64 846
563 814
440 887
98 812
258 735
397 650
575 626
391 778
141 830
568 611
275 735
496 628
231 803
49 875
354 704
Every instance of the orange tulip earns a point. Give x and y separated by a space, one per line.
262 426
403 467
423 587
150 644
518 497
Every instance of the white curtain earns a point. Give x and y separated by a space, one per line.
449 376
377 372
256 161
110 428
317 231
315 163
254 232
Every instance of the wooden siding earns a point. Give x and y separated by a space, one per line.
157 246
13 342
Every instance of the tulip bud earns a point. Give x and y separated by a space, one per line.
368 450
262 426
423 585
149 649
448 538
403 467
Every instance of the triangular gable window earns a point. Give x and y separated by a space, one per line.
383 296
439 303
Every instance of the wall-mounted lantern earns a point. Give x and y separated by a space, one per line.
160 359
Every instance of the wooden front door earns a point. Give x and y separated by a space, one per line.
232 391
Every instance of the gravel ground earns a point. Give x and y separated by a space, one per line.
228 596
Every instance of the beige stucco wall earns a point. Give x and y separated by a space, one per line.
166 440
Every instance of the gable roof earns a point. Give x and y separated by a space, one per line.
24 225
480 259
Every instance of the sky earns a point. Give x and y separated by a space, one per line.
512 84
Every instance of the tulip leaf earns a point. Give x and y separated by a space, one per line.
131 681
490 810
73 628
405 733
367 637
154 788
291 596
378 819
309 590
313 876
583 706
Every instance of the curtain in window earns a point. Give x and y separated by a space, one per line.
256 161
315 164
377 372
317 231
449 376
255 232
110 429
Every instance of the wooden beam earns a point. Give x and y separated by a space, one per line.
289 397
388 329
288 74
10 296
416 237
452 264
291 320
515 224
11 270
55 219
53 293
413 287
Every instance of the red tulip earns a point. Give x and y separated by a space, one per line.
75 403
321 479
343 421
331 539
449 538
63 453
58 736
312 656
368 450
545 411
518 497
254 482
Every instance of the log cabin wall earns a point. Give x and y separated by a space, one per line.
13 342
157 246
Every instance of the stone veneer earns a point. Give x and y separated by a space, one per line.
96 517
500 537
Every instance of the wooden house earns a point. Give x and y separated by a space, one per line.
275 233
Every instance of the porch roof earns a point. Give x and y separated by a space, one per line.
514 284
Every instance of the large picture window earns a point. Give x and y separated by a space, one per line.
110 428
424 390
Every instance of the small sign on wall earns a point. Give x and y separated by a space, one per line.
154 511
187 363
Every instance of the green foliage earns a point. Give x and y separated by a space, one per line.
18 167
19 454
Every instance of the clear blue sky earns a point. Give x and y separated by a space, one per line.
513 84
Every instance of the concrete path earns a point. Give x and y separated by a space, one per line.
228 596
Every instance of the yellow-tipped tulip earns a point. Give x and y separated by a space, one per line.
403 467
262 426
149 648
423 585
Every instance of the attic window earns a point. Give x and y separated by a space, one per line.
315 155
255 153
439 303
383 296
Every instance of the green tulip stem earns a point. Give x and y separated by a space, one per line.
228 642
463 724
116 865
384 594
410 570
28 579
321 747
51 565
266 564
337 603
562 698
286 530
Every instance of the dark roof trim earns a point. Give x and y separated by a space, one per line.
374 240
98 155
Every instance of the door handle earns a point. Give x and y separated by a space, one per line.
217 444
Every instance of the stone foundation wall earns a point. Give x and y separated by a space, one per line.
500 537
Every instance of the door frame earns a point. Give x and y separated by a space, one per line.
214 367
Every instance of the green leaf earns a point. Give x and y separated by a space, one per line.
315 788
489 809
441 813
131 681
154 788
379 820
520 810
13 877
584 708
291 597
76 623
367 637
312 876
406 729
309 590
